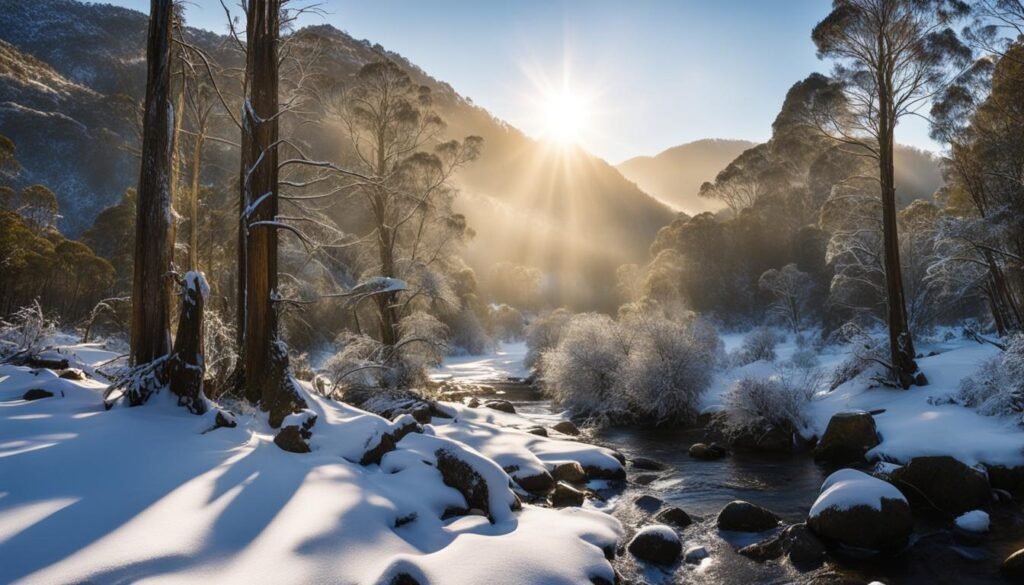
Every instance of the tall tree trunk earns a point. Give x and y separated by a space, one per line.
154 228
193 207
265 359
187 367
901 344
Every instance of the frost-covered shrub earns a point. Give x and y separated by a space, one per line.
670 364
804 359
780 401
468 335
507 322
364 361
759 344
581 373
867 354
543 334
25 331
997 387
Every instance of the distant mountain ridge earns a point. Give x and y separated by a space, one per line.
675 175
582 218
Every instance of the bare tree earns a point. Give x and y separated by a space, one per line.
892 56
790 288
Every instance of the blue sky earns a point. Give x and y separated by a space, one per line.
655 73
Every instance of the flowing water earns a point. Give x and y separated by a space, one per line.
787 485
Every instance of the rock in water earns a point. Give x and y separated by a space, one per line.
1013 567
695 554
648 464
674 516
706 452
566 427
944 483
502 405
740 516
847 438
648 503
859 511
657 544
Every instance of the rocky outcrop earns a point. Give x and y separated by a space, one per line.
943 484
797 542
570 471
565 495
706 452
740 516
847 438
296 430
37 394
502 405
566 427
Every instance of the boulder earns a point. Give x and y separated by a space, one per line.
657 544
706 452
224 419
674 516
502 405
856 510
645 478
648 503
597 472
648 464
848 436
295 437
565 495
797 542
1013 567
73 374
422 414
37 394
539 431
570 471
460 475
566 427
943 483
740 516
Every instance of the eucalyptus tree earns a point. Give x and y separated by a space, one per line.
892 56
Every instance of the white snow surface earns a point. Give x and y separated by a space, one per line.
849 488
146 495
973 521
505 362
910 426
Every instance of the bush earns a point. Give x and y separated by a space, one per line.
669 367
582 372
997 388
26 331
781 400
805 359
759 344
544 334
468 335
507 322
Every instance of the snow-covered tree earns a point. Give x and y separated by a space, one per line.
790 289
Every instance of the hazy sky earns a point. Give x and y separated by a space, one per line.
653 73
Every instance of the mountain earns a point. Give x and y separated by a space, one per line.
675 175
563 211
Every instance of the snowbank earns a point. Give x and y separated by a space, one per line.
146 494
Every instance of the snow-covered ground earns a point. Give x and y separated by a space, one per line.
505 362
148 495
911 425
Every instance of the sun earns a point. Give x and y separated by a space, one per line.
566 116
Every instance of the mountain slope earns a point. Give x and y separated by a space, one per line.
675 175
566 212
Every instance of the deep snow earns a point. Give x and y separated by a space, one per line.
147 495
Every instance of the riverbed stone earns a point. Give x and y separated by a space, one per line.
569 471
674 516
501 405
857 511
566 427
695 554
740 516
848 436
535 483
647 464
648 503
645 478
803 548
539 431
943 483
1013 567
706 452
657 544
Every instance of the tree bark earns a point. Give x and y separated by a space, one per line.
901 344
265 358
187 365
154 228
